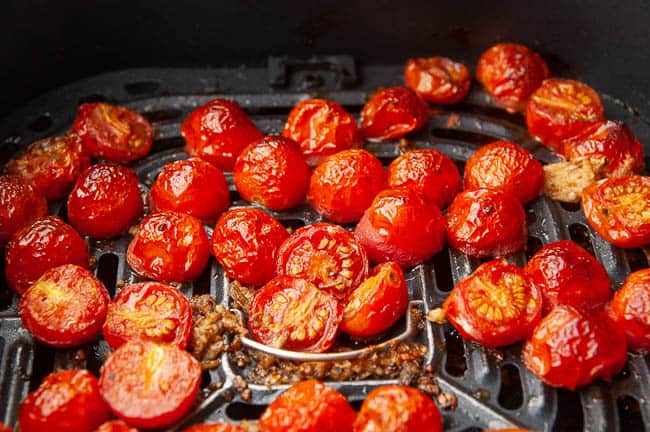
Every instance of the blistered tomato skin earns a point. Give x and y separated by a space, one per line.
214 427
438 80
115 426
392 113
630 309
20 204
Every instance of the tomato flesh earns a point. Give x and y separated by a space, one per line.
438 80
115 426
630 309
20 204
214 427
392 113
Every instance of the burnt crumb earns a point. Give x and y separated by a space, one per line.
92 263
447 401
426 383
241 386
120 283
249 426
241 295
228 396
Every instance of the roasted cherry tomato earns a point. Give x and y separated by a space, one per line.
293 314
562 108
169 247
510 73
321 128
508 430
398 408
486 223
45 243
438 80
619 210
112 132
630 309
51 165
568 274
505 166
342 187
245 241
148 311
273 173
105 201
214 427
115 426
191 186
308 406
149 385
497 305
327 255
391 113
401 226
571 348
5 428
20 204
67 400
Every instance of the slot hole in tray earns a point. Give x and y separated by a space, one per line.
636 258
107 271
243 411
455 363
580 234
442 266
629 414
511 393
569 411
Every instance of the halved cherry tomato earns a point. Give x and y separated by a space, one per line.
20 204
51 165
321 128
214 427
308 406
112 132
497 305
115 426
293 314
342 187
148 311
105 201
169 247
510 73
44 244
391 113
327 255
398 408
438 80
191 186
429 172
568 274
619 210
245 241
401 226
630 309
562 108
273 173
149 385
67 400
486 223
505 166
571 348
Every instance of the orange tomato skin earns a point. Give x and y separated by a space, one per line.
392 113
437 80
630 309
20 204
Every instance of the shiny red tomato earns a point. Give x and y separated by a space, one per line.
44 244
105 201
245 241
273 173
571 348
293 314
342 187
112 132
630 309
214 427
327 255
115 426
5 428
169 247
392 113
438 80
20 204
321 128
401 226
308 406
67 400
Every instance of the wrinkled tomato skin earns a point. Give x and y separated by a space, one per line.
20 204
571 348
392 113
51 165
505 166
342 187
115 426
398 408
321 128
437 80
630 309
510 73
308 406
67 400
618 208
245 241
169 247
214 427
293 314
45 243
476 306
191 186
273 173
105 201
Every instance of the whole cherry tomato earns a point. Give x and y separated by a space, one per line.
630 309
214 427
20 204
44 244
342 187
115 426
505 166
245 241
112 132
293 314
392 113
571 348
438 80
67 400
273 173
105 201
510 73
308 406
